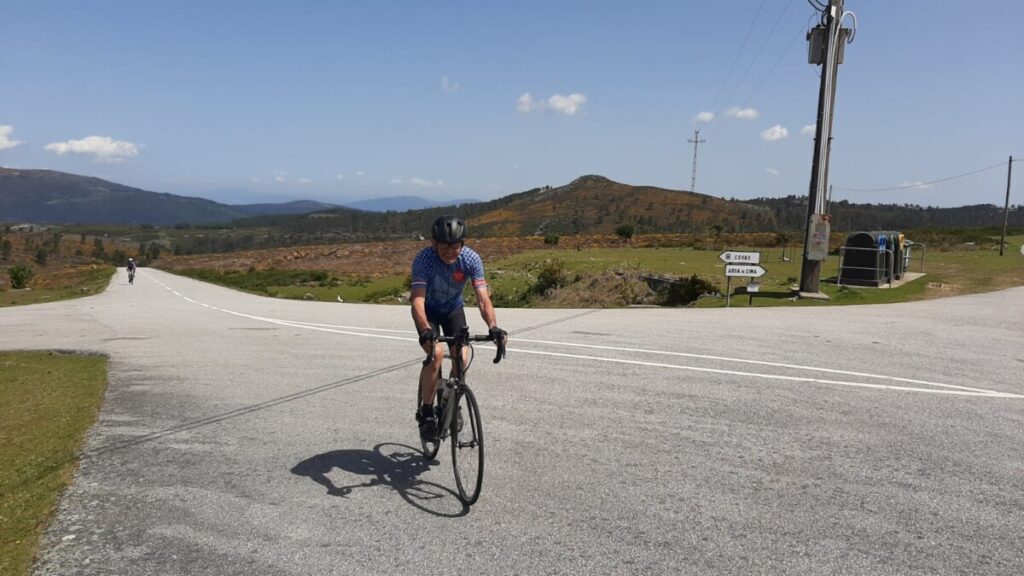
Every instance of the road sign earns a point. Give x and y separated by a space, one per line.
748 270
753 287
730 257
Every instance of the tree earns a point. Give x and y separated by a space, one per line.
20 275
5 249
625 231
41 257
716 231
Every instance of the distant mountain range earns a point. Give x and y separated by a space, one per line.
402 203
589 204
48 196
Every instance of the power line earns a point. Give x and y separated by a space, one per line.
714 103
760 50
919 184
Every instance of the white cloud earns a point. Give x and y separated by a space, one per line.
101 148
809 129
704 116
360 173
304 181
448 85
254 179
736 112
526 104
280 178
426 183
772 171
339 177
777 132
568 105
5 138
396 181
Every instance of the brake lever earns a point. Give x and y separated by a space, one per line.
500 351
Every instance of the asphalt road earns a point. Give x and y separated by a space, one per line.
249 435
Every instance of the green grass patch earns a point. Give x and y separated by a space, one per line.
47 402
64 285
968 267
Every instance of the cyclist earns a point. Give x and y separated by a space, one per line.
439 273
131 271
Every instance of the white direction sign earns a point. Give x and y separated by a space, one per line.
730 257
748 270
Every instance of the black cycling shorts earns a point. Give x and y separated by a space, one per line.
451 324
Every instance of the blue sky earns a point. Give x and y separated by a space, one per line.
342 101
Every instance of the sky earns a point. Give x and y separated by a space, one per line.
258 101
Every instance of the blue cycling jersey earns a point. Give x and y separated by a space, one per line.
443 282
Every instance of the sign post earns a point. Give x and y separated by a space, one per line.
744 265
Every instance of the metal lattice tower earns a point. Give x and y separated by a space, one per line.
693 173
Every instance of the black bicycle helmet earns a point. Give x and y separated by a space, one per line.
448 229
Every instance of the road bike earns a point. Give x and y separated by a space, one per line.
131 277
460 416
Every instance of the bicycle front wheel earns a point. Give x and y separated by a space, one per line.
467 446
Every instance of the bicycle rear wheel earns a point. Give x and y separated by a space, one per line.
467 446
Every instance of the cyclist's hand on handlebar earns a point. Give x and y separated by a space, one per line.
427 339
499 337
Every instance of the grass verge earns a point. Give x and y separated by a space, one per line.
68 283
48 401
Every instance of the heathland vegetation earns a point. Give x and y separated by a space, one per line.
592 242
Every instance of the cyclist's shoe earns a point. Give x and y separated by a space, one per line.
428 423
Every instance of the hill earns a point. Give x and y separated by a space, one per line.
295 207
587 205
596 205
48 196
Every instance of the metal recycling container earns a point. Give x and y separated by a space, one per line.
872 258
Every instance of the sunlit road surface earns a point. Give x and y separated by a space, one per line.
248 435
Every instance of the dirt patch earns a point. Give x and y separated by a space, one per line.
374 259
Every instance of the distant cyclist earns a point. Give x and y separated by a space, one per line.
439 274
131 271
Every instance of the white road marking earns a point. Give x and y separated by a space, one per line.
762 362
950 389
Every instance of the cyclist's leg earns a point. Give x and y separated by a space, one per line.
454 323
429 372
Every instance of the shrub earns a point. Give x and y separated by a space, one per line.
552 275
41 257
551 239
20 275
625 231
688 290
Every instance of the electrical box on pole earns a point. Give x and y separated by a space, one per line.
817 236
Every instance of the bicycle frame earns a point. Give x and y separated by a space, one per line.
461 340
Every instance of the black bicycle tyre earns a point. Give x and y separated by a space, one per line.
466 443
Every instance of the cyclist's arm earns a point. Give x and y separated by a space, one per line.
418 296
483 302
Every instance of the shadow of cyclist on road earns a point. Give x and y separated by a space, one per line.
395 466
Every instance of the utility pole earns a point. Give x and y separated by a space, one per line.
1006 207
693 173
826 48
